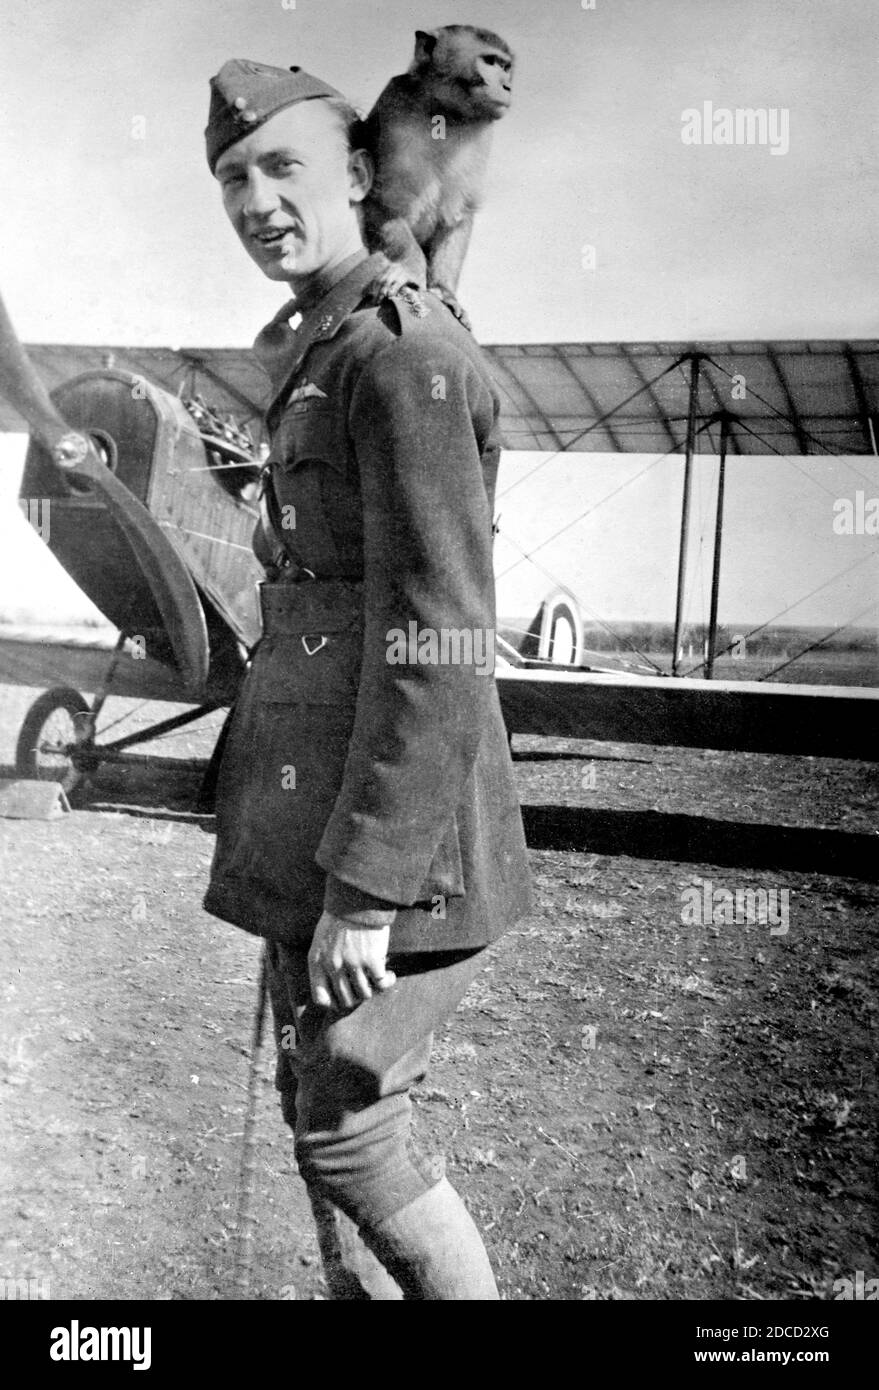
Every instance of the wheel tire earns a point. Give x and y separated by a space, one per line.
52 718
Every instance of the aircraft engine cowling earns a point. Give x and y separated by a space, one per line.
204 504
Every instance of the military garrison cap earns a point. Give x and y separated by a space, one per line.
244 95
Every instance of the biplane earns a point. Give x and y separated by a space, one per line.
152 493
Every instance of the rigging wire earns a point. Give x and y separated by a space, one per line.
820 642
188 731
679 366
786 457
589 428
807 434
607 627
591 651
203 536
128 714
527 555
760 626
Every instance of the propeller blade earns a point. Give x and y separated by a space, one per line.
166 573
24 390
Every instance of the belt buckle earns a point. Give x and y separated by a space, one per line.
312 651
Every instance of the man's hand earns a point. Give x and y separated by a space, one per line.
347 963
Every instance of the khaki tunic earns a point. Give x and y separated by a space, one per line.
348 777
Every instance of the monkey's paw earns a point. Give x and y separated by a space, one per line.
390 280
451 303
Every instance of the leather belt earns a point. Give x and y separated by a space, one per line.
314 608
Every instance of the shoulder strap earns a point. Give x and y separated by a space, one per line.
282 552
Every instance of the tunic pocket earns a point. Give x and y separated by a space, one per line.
310 454
311 431
310 668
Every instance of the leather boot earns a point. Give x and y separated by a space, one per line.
433 1249
352 1271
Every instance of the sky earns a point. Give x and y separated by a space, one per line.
600 224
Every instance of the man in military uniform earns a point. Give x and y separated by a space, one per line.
367 820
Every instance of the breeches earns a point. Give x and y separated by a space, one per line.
344 1077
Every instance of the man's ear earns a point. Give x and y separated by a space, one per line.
361 172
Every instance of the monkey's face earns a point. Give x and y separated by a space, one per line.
290 190
470 78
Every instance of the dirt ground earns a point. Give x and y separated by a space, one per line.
633 1106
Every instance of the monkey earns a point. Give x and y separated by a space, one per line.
429 136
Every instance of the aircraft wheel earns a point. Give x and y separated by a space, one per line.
55 728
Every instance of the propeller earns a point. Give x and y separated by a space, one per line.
166 573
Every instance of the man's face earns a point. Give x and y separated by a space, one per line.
289 190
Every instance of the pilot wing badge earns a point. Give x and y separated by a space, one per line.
304 392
